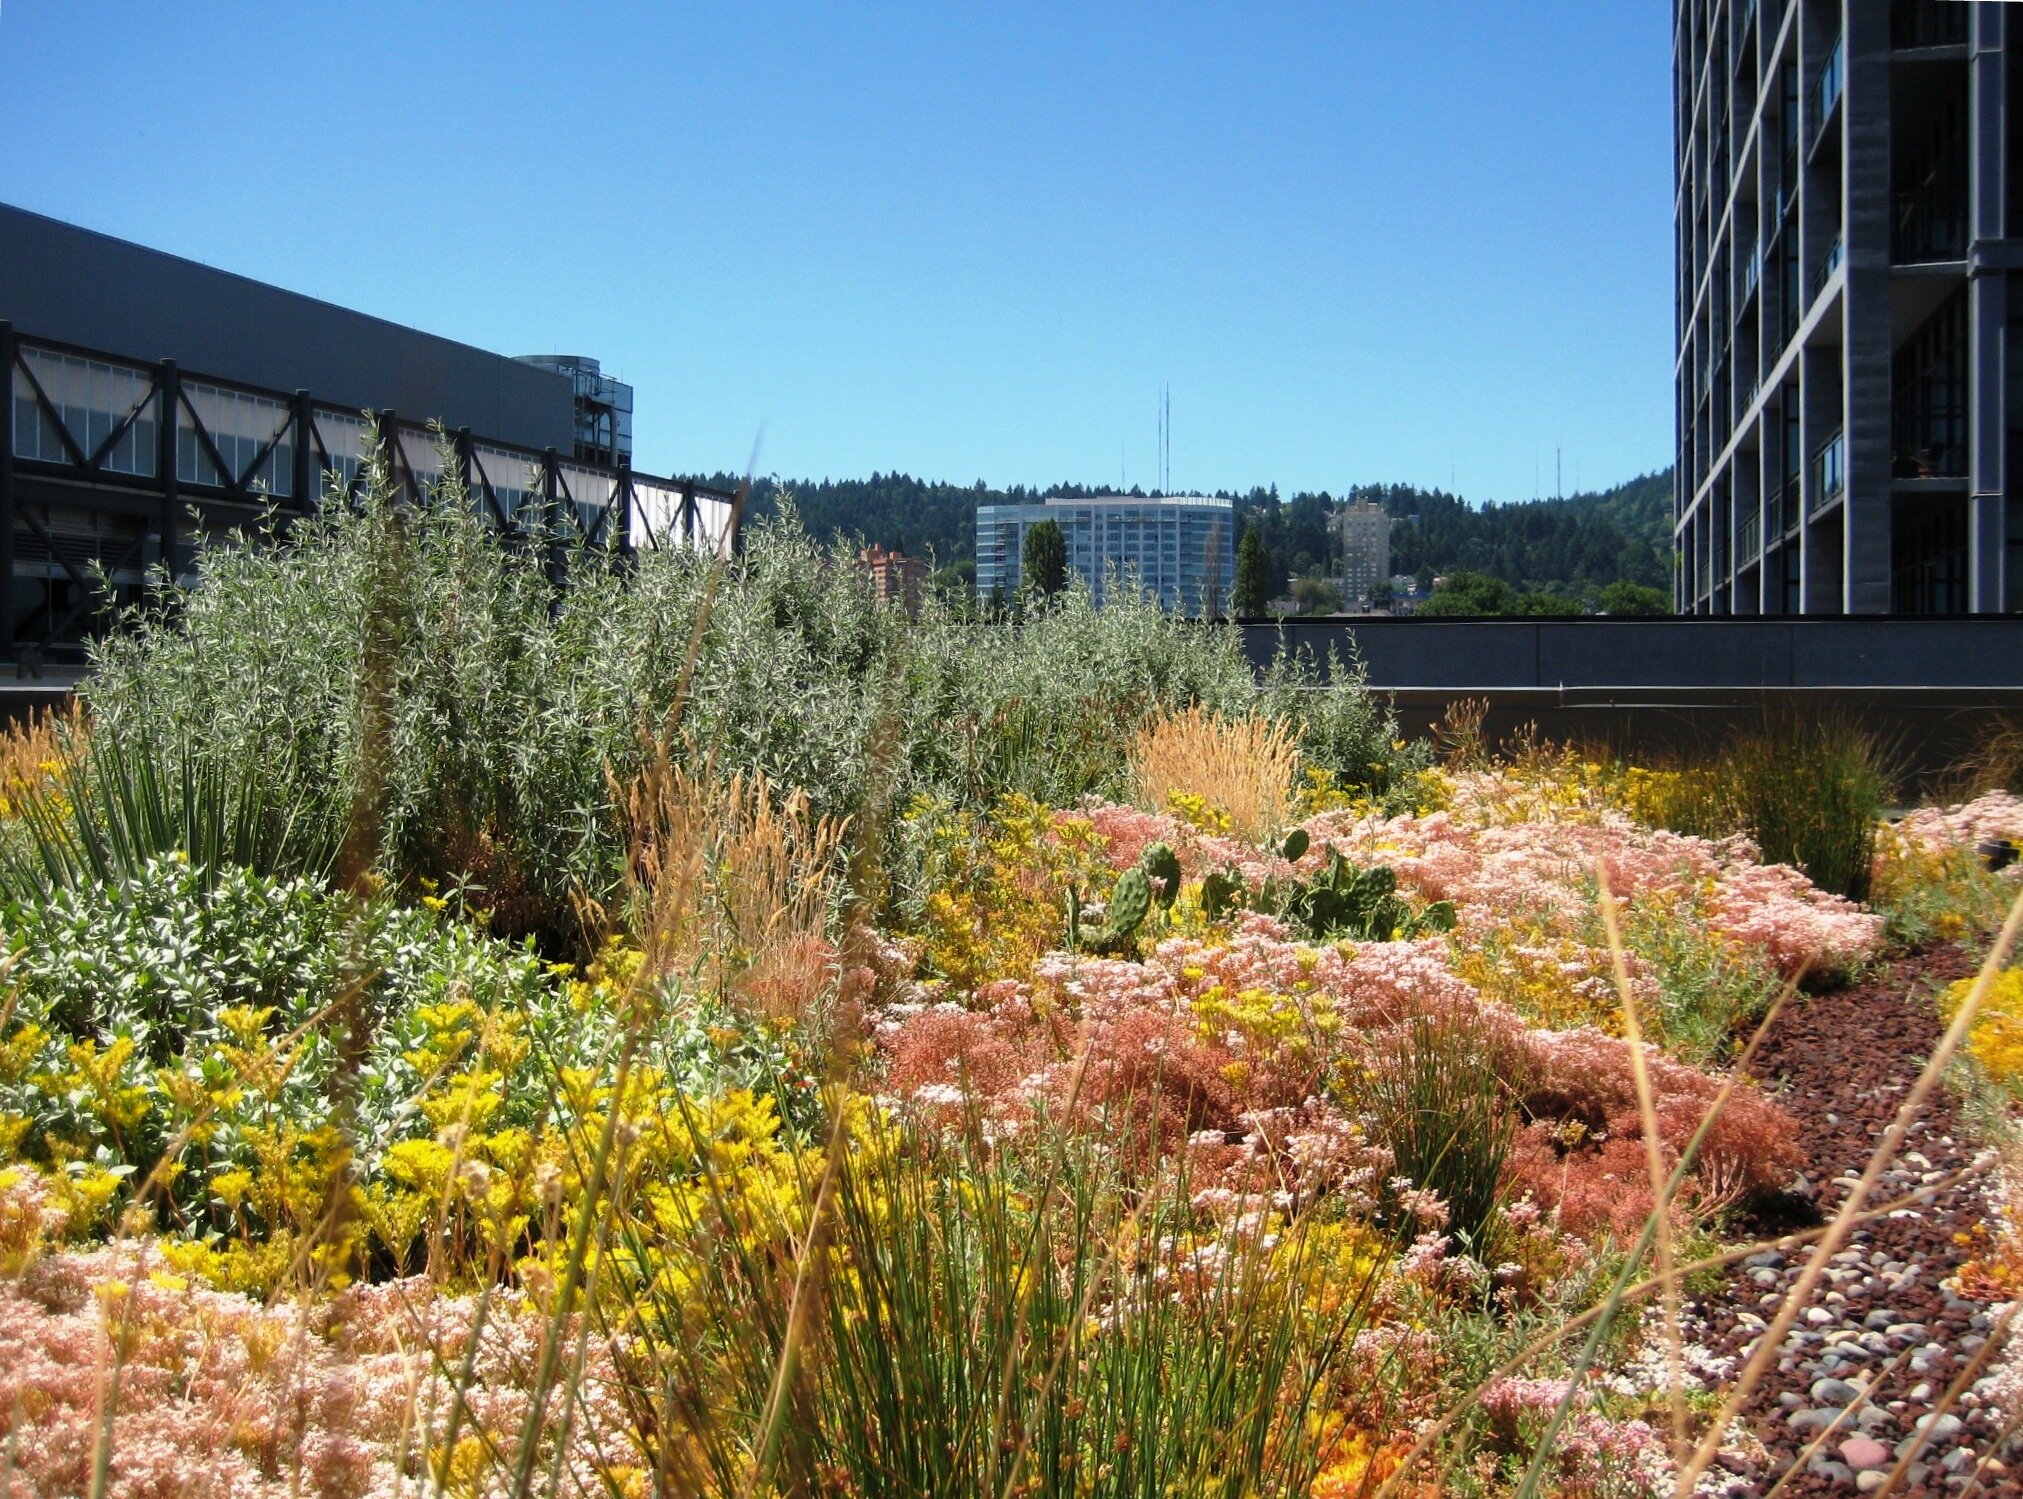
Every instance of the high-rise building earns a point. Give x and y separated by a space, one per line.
1180 549
1365 529
1849 237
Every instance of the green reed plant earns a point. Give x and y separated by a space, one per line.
1811 790
1993 760
121 801
962 1320
1435 1101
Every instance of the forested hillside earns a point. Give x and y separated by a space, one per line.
1583 541
1570 546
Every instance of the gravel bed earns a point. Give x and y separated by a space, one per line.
1841 1063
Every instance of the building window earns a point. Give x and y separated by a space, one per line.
92 398
1929 389
1928 560
240 426
515 479
341 442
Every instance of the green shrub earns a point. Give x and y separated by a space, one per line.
216 1015
1710 993
155 955
398 677
245 1047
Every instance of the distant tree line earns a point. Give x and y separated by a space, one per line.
1570 548
1553 552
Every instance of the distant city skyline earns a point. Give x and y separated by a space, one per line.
1428 245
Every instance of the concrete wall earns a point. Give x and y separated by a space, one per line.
1641 655
61 282
1933 691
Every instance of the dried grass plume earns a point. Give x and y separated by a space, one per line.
1243 768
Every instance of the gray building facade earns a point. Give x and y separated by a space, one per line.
1850 263
1180 549
153 401
76 286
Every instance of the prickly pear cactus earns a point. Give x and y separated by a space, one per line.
1163 865
1130 902
1222 893
1438 917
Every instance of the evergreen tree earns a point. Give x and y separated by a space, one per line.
1043 561
1253 574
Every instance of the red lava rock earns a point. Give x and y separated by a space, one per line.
1864 1452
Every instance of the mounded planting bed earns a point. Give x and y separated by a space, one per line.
698 1032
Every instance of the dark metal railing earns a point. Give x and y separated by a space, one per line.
1829 471
1930 223
1828 264
1832 81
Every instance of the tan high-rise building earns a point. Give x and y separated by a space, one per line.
1365 530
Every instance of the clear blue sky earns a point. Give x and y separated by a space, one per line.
1362 240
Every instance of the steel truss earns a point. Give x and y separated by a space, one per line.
99 490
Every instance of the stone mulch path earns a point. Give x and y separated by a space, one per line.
1841 1063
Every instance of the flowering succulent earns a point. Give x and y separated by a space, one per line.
1995 1040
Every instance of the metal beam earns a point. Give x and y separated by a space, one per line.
169 384
8 644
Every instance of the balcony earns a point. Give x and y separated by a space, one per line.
1751 546
1829 472
1752 274
1930 444
1930 224
1828 264
1832 81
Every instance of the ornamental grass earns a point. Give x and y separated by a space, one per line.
1237 774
